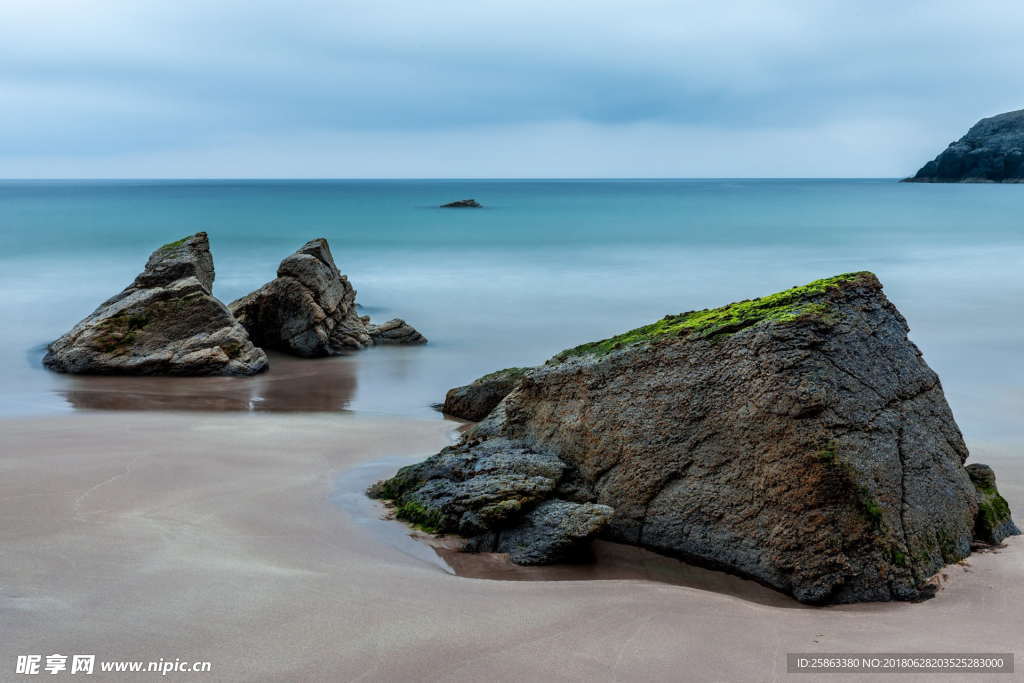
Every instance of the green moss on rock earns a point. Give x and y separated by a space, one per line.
506 374
118 332
421 517
174 244
787 306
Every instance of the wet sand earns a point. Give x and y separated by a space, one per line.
226 537
290 385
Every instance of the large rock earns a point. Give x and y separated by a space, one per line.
476 400
993 522
309 310
798 439
167 322
992 151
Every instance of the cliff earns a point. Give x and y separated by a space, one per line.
992 151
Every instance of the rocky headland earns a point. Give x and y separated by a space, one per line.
309 310
798 439
167 322
992 151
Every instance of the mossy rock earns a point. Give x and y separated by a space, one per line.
993 522
797 303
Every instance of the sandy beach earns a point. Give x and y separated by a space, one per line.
225 537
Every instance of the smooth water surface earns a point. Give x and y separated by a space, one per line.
544 266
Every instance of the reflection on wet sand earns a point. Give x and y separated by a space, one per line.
291 384
611 561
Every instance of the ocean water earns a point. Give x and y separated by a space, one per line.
544 266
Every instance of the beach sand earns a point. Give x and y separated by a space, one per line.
228 538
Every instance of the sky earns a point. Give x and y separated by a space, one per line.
487 89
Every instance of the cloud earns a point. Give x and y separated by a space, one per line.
496 89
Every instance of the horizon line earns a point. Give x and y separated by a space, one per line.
425 178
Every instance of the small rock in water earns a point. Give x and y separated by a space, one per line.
462 204
395 331
310 310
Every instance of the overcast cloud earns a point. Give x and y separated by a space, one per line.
530 88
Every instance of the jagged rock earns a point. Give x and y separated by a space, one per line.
471 490
462 204
798 439
992 151
555 531
476 400
310 310
166 322
395 331
993 522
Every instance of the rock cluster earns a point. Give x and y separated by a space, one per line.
476 400
167 322
992 151
309 310
798 439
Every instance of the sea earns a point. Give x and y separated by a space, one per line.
544 265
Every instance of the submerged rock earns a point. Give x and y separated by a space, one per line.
476 400
992 151
395 331
462 204
798 439
310 309
167 322
993 522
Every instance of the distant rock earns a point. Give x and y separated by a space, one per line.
167 322
992 151
395 331
462 204
993 522
798 439
310 310
476 400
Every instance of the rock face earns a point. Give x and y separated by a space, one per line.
309 310
462 204
992 151
166 322
798 439
993 523
476 400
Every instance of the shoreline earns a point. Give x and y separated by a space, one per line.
220 537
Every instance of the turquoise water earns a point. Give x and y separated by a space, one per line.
546 265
